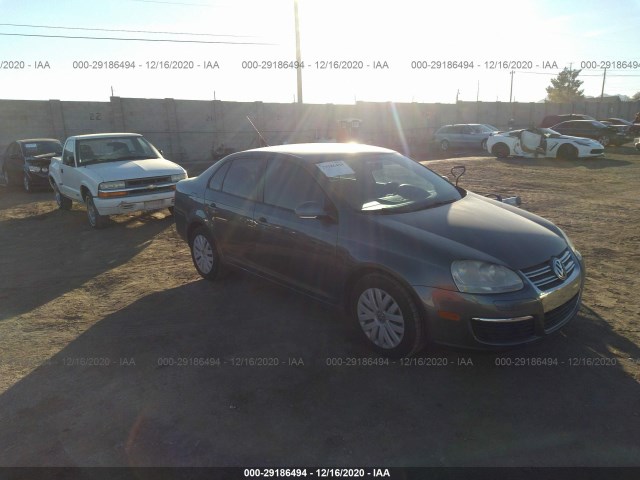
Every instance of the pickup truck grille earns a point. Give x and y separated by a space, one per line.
143 182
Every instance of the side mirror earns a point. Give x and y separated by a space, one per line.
311 210
69 160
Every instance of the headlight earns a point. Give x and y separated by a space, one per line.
112 185
472 276
34 168
178 177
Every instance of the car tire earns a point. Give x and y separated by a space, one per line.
445 145
568 152
26 183
387 316
604 140
95 219
204 254
63 202
500 150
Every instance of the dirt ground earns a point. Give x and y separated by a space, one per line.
114 352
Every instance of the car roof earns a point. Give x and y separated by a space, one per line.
25 140
105 135
311 151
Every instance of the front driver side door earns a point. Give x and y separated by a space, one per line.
69 176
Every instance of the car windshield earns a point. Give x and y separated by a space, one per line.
32 149
386 183
114 149
481 129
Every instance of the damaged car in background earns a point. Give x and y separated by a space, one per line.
409 255
26 162
542 142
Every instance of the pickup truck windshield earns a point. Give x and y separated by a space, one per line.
114 149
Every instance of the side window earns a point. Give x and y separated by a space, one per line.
68 153
243 177
215 183
287 185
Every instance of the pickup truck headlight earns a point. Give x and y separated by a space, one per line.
112 185
178 177
472 276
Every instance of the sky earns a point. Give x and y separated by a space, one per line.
395 50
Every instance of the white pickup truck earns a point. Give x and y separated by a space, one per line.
113 173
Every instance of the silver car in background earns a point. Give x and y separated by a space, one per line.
467 135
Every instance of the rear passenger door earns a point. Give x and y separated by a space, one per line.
230 199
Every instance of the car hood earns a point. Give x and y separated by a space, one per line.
478 229
130 169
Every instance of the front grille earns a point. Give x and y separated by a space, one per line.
560 315
149 191
143 182
503 332
542 275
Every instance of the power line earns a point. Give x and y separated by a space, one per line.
133 39
119 30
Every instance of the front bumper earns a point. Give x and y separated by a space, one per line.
117 206
500 320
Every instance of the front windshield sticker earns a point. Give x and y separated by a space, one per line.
335 169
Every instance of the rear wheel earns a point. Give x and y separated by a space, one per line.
63 202
604 140
387 316
444 145
204 254
500 150
95 219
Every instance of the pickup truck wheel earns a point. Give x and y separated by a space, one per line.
63 202
95 219
204 254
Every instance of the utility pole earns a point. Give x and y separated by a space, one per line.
478 92
298 56
511 90
604 77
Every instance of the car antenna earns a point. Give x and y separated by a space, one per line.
258 132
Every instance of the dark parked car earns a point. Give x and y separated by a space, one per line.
632 128
466 135
409 255
26 162
604 134
551 120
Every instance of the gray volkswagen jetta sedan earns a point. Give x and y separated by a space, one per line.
410 256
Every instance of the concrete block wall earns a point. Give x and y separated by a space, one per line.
194 131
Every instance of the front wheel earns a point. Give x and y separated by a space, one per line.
444 145
26 183
500 150
387 316
204 254
568 152
95 219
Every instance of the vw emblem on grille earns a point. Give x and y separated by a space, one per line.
558 268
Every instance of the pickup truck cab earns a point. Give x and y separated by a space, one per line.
113 173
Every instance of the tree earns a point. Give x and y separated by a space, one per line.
636 97
565 88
